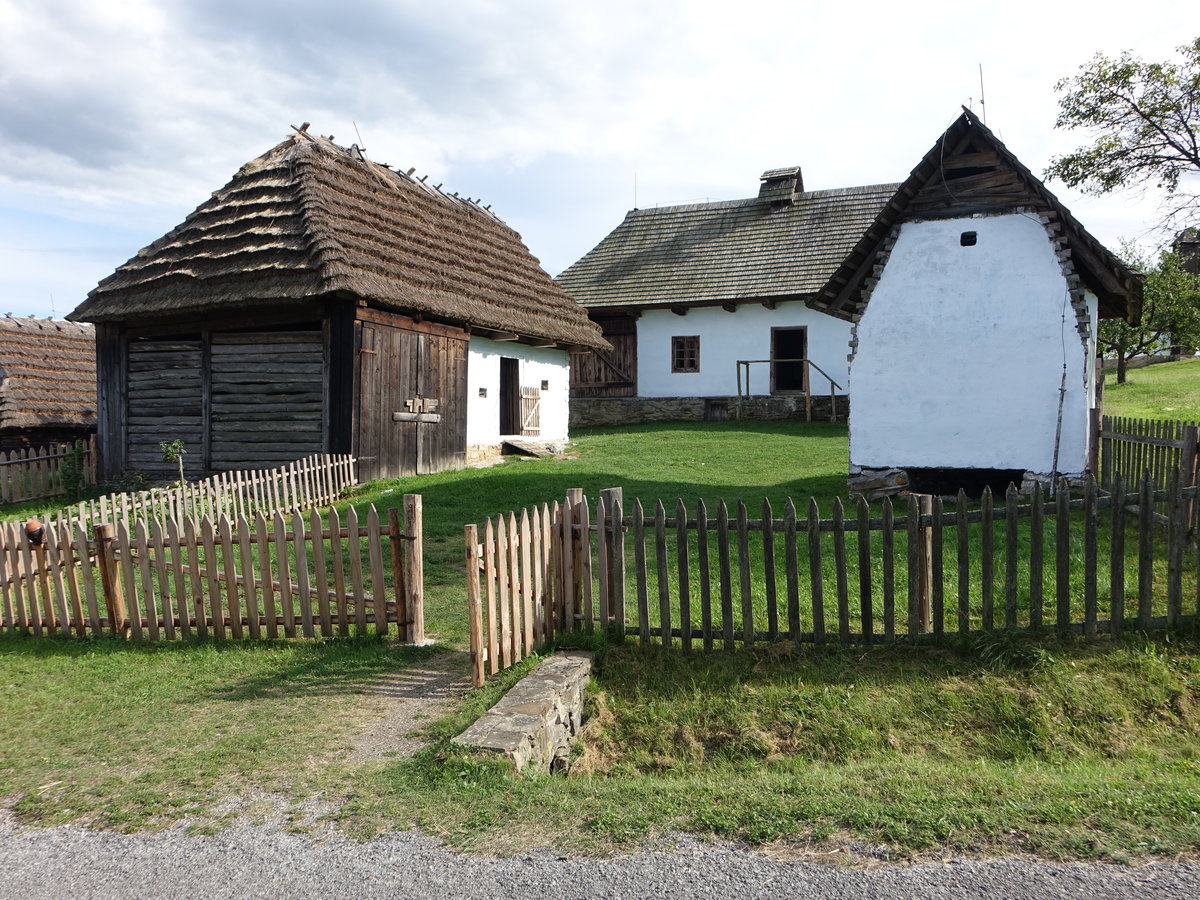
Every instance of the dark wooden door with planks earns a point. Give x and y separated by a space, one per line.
412 399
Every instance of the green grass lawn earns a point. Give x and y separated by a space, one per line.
1163 391
1060 748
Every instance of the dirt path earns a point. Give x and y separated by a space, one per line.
404 702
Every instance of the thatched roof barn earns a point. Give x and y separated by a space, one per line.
47 381
304 305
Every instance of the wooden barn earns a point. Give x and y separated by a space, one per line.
322 302
47 382
975 297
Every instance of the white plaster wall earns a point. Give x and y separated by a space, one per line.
725 338
537 364
961 351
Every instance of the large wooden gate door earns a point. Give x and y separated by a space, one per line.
412 400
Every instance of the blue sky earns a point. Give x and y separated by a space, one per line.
117 119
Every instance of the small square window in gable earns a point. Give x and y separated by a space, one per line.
685 354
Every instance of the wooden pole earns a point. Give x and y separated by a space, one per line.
613 500
114 596
925 563
474 603
414 568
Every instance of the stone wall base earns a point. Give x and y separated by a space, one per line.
874 484
533 723
479 453
587 411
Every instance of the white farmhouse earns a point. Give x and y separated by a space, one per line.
975 297
683 293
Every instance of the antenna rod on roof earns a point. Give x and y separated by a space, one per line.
982 102
361 148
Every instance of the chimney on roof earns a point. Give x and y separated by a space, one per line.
1187 247
780 186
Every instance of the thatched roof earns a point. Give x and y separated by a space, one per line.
781 245
969 171
310 220
47 373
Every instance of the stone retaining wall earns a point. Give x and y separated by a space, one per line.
535 721
587 411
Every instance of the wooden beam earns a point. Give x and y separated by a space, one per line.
544 344
501 335
729 307
679 310
769 304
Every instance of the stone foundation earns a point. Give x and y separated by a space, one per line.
587 411
535 721
875 484
481 453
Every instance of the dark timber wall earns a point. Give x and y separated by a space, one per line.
269 388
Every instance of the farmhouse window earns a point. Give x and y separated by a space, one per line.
685 354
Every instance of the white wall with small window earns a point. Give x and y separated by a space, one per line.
495 369
696 355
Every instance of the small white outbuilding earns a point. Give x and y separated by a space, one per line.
975 297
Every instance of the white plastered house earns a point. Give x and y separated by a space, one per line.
975 297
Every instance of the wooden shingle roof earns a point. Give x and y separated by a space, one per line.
969 171
47 373
741 250
310 219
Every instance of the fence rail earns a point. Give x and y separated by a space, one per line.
36 472
1092 563
278 576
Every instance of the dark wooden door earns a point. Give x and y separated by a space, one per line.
412 400
789 350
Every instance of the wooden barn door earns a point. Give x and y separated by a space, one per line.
412 400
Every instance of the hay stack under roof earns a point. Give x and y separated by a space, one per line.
47 374
310 219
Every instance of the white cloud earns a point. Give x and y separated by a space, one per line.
130 112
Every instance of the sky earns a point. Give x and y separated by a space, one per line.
117 118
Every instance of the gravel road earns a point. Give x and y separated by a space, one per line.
248 862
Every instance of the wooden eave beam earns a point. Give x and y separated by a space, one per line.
729 307
679 310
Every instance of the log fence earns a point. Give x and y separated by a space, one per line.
302 574
1086 563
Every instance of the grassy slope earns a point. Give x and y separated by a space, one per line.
1070 751
666 461
1163 391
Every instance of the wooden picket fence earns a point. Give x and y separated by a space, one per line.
258 577
313 481
1088 563
1131 447
36 472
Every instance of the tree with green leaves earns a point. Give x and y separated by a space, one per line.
1170 311
1144 118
